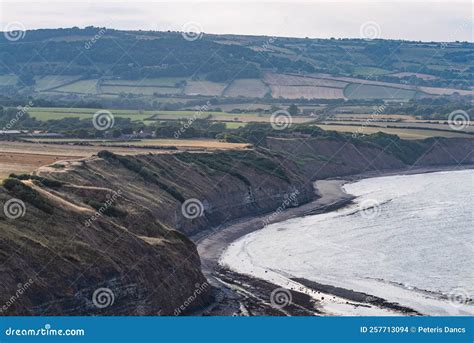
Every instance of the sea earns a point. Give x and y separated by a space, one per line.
408 239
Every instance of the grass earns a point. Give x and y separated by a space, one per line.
8 80
81 87
402 133
139 90
139 167
53 81
45 114
35 178
49 113
157 82
370 71
236 125
403 124
27 194
360 91
230 163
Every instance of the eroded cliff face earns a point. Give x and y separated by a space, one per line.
324 158
104 231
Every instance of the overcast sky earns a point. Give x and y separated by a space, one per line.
412 20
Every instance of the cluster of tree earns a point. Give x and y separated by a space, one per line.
199 128
257 133
436 109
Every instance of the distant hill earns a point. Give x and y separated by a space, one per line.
104 63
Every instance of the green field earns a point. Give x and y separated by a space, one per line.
403 133
45 114
81 87
236 125
360 91
232 120
370 71
53 81
50 113
155 82
8 80
139 90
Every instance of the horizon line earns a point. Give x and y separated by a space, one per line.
240 34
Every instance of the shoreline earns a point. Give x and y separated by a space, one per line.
212 243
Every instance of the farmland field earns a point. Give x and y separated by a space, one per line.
22 162
246 87
402 133
370 71
363 116
8 80
144 90
53 81
296 80
25 157
155 82
418 75
204 88
244 106
408 125
44 114
290 86
234 125
445 91
308 92
47 113
360 91
56 145
81 87
226 117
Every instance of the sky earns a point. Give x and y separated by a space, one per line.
402 19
